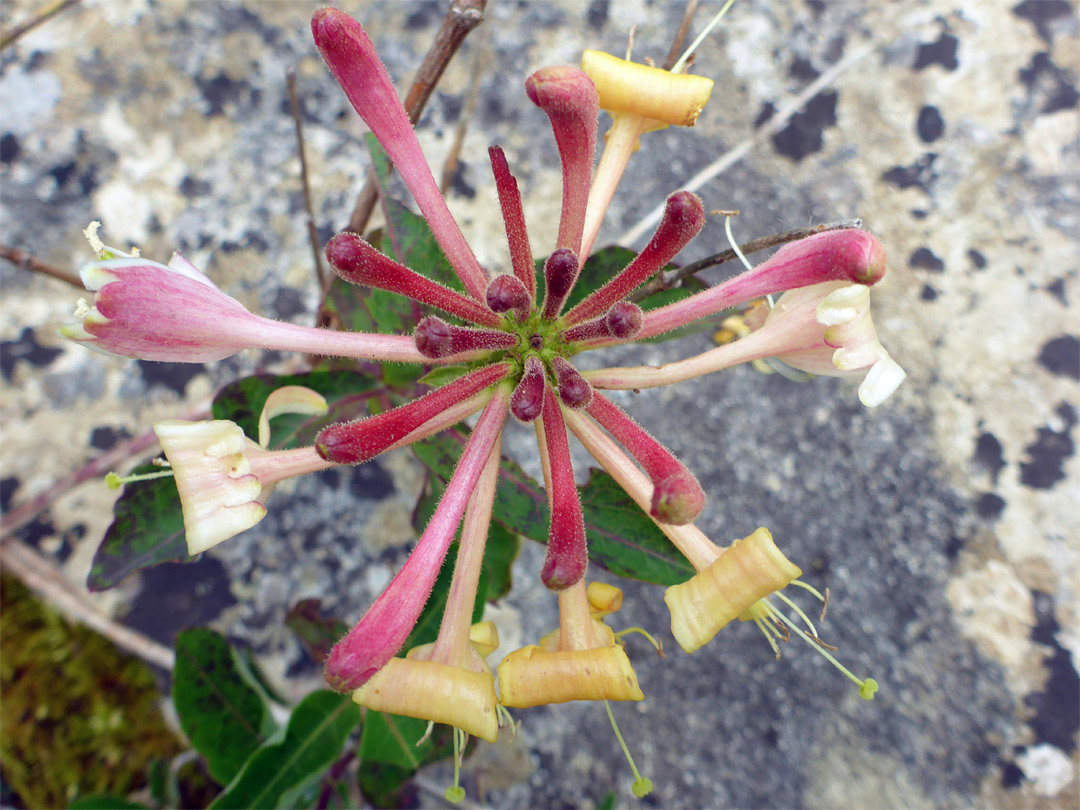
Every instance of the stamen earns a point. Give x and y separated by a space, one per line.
527 401
642 787
455 793
656 644
437 339
783 598
765 628
678 66
507 720
114 481
358 262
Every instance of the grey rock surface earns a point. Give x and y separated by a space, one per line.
944 522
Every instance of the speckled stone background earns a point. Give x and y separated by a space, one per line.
944 522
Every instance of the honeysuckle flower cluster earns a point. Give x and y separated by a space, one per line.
513 351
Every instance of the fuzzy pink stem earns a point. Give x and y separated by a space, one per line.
677 496
352 59
272 466
521 257
684 217
358 262
438 340
849 255
356 442
567 557
387 624
570 100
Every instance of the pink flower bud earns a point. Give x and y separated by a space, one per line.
514 220
567 557
569 98
357 442
506 293
684 217
560 274
358 262
624 320
527 401
574 390
436 339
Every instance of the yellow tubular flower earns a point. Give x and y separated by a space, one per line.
649 92
750 570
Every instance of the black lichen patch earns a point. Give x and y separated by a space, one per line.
977 259
804 134
460 183
1062 356
928 293
803 69
1043 14
940 52
1057 289
8 487
1011 775
9 149
194 187
989 506
105 437
26 349
1049 452
425 15
179 595
768 110
598 13
924 259
220 91
988 454
1057 706
920 173
371 482
930 125
288 303
1048 86
172 375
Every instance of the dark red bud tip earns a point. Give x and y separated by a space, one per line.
624 320
677 499
433 338
574 390
505 293
527 401
350 256
328 442
560 571
684 214
560 273
553 89
873 261
340 677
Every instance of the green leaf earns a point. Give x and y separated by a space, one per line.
222 713
313 740
392 739
242 401
147 529
622 538
100 802
382 783
317 633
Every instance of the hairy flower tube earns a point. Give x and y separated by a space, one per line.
512 353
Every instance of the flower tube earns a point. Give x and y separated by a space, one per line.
383 629
175 313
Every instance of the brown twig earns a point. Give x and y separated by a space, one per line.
462 17
313 232
665 281
20 258
680 36
48 10
450 167
47 581
23 514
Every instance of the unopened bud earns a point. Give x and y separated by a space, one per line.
527 401
506 293
574 390
624 320
437 339
560 273
678 499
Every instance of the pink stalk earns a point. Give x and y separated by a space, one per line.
272 466
527 401
358 262
690 540
853 255
506 293
622 322
567 557
569 98
356 442
514 219
438 340
574 390
387 624
677 496
452 644
560 273
352 59
684 217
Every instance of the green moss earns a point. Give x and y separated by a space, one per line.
78 717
